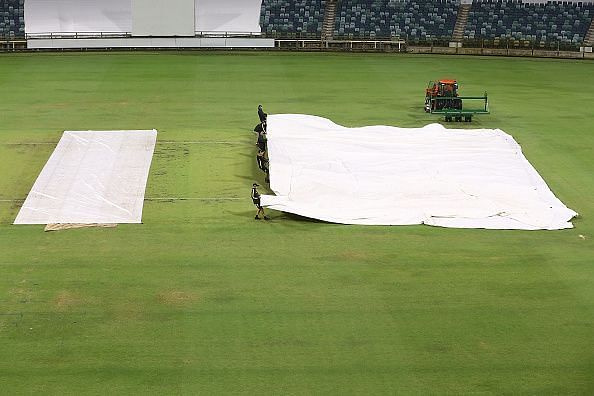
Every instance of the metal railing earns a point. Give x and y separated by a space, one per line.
502 43
13 44
229 34
314 41
101 35
497 43
76 35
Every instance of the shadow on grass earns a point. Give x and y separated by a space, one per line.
277 215
299 219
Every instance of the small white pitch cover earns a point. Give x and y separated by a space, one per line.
92 177
385 175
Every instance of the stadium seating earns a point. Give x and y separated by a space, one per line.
292 18
12 19
412 19
422 20
553 21
535 22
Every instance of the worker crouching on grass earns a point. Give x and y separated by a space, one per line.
256 201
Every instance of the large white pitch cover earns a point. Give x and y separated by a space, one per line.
92 177
395 176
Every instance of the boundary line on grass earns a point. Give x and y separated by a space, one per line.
27 143
200 142
160 199
192 199
158 142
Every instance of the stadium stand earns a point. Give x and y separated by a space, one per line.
509 21
12 19
412 19
430 20
536 22
292 18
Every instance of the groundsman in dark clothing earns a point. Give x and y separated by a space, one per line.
261 114
263 164
261 141
262 161
261 127
256 201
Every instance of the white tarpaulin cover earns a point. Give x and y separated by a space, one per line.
116 16
92 177
395 176
62 16
228 16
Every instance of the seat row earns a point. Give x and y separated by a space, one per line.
538 22
552 21
392 18
285 17
12 19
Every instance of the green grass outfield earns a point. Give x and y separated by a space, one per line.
203 299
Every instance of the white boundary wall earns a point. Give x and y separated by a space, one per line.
164 42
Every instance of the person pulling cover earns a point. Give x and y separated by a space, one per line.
261 114
256 201
262 140
263 164
260 128
262 161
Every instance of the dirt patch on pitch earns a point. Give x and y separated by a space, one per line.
73 226
66 299
174 297
352 255
21 294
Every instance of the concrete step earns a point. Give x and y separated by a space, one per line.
589 37
461 20
329 20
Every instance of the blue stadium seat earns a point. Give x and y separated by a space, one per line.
12 19
413 19
291 18
565 22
